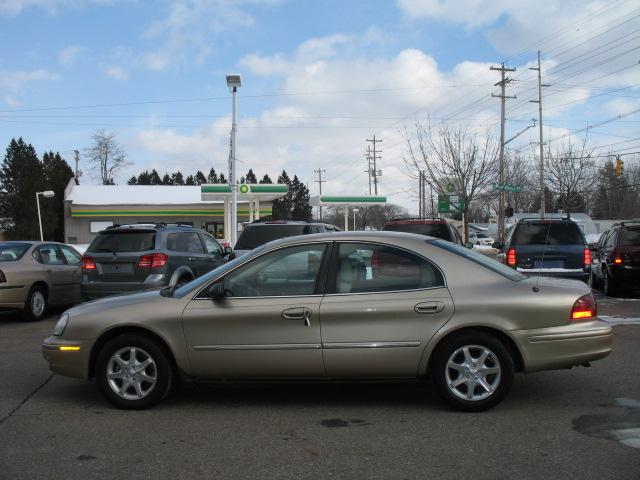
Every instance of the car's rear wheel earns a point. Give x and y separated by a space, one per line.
133 371
473 371
35 306
609 285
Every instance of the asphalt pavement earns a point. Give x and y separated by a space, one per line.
580 423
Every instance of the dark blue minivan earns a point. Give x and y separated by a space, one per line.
550 247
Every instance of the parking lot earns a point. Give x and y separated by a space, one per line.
580 423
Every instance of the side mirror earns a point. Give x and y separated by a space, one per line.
217 291
468 245
497 245
228 250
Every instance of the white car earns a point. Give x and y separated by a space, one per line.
480 239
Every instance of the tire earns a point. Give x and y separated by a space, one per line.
35 306
609 285
498 360
114 360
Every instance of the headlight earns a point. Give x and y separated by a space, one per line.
61 325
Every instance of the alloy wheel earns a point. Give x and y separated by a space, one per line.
38 303
131 373
473 372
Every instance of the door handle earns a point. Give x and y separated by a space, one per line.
298 314
191 258
429 307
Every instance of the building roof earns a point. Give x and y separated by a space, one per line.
134 195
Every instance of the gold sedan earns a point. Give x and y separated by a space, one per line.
35 275
380 305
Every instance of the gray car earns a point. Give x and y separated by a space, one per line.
132 258
381 305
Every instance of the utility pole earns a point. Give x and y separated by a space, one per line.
367 157
539 102
503 97
375 157
320 181
76 156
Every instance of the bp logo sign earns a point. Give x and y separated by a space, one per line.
245 189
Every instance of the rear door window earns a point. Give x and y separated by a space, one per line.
123 241
184 242
549 233
372 268
50 255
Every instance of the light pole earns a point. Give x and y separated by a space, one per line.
233 82
47 194
355 210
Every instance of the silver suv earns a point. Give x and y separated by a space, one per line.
131 258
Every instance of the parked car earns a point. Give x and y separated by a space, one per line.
37 275
550 247
130 258
366 305
259 232
616 258
433 227
479 238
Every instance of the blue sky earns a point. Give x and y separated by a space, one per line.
319 77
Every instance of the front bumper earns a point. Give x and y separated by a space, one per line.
565 346
70 363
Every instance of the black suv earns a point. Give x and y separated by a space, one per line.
433 227
616 258
260 232
131 258
550 247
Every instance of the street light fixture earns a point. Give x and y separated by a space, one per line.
234 81
355 210
46 194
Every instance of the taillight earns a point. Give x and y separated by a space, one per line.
153 260
584 308
3 279
511 257
587 257
88 264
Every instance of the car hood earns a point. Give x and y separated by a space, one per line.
116 301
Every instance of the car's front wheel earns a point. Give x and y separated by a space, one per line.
473 371
133 371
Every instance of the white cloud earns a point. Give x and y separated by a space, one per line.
68 56
267 66
11 102
15 80
15 7
117 72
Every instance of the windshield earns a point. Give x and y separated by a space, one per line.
207 277
255 235
629 237
10 252
438 230
123 241
551 233
480 259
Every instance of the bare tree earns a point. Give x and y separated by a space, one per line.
569 173
453 155
106 156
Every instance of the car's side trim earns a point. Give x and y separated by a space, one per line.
342 345
11 287
266 346
383 291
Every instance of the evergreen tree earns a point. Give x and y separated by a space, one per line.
251 177
166 180
213 176
155 178
132 181
177 178
190 180
300 209
266 179
221 179
200 178
144 178
282 207
21 176
56 173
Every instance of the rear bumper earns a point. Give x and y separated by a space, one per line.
565 346
625 274
74 363
94 290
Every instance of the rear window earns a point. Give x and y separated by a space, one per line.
480 259
549 233
10 252
123 241
256 235
438 230
629 237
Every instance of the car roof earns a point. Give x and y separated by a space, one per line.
417 221
359 236
150 226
